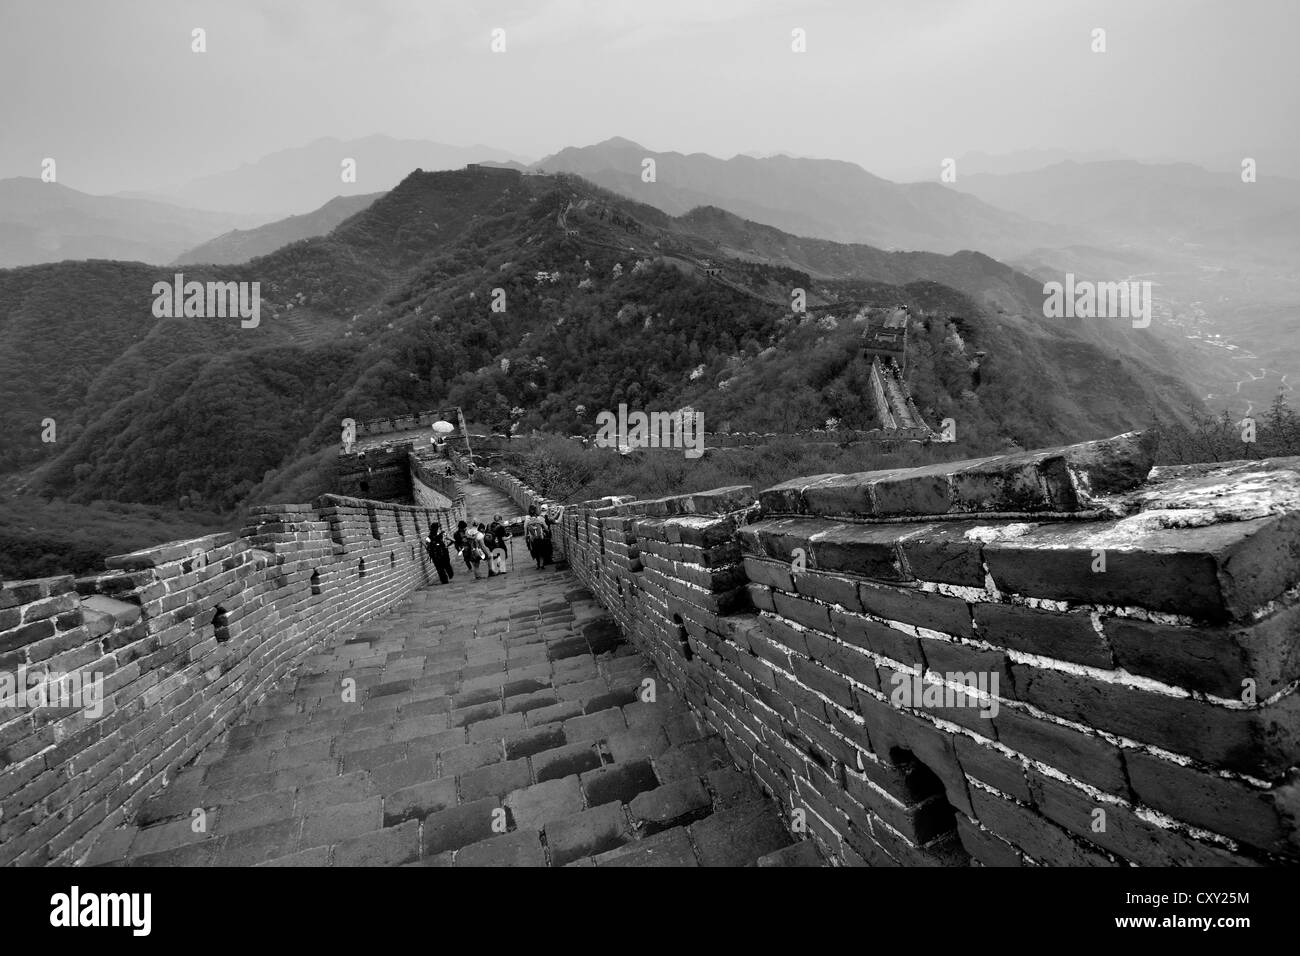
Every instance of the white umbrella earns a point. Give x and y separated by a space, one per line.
443 428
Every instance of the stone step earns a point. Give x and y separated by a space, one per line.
493 723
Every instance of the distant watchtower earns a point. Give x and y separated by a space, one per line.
888 339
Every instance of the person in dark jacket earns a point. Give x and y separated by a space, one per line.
436 543
465 545
501 543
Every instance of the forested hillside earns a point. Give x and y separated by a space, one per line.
601 301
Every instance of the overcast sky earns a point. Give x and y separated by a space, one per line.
111 90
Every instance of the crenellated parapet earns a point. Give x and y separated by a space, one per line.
146 664
1064 657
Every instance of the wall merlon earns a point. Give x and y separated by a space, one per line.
1064 479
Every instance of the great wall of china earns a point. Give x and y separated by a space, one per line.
1135 631
1146 706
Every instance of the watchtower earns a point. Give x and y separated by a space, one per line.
888 339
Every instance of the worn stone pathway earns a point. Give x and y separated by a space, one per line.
496 722
483 503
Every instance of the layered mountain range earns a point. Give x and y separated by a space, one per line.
602 300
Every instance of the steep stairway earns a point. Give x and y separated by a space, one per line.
503 721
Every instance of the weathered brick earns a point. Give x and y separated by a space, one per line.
1064 636
828 588
943 553
824 681
1261 818
1125 834
1264 741
770 573
878 638
1087 757
1215 660
805 612
938 612
1040 838
1217 572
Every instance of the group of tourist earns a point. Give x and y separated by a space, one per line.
479 545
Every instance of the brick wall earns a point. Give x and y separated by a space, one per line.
1145 710
186 637
383 426
379 473
1142 627
720 441
430 485
512 488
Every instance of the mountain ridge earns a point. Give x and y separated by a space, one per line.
241 245
827 198
608 303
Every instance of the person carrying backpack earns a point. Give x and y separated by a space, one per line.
535 532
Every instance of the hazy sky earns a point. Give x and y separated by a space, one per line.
112 91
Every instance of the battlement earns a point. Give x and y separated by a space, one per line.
183 639
403 469
1064 657
887 339
403 423
975 661
382 473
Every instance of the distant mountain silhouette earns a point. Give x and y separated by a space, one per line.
49 222
823 198
1169 205
1025 160
240 245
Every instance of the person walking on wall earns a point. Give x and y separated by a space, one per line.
488 544
479 550
436 543
535 532
547 541
500 543
464 542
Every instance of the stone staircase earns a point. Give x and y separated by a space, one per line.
494 722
